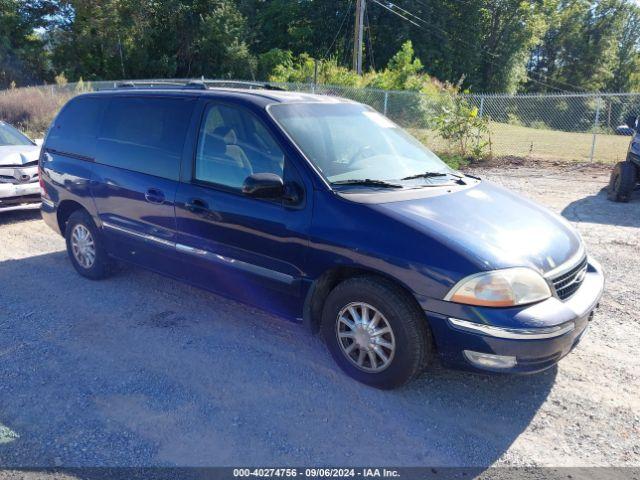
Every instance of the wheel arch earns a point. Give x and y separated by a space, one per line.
65 210
325 283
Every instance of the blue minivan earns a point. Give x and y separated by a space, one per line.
322 210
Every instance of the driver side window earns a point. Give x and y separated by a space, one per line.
233 144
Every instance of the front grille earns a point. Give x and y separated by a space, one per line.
22 200
569 282
14 181
17 176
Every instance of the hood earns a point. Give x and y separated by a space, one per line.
18 154
491 226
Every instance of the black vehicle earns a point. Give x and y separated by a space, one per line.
625 175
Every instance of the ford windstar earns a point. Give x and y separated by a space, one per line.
323 210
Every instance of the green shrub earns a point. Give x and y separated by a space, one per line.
460 125
455 160
514 119
402 79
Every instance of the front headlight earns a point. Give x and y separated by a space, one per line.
501 288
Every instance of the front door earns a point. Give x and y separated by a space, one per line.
251 249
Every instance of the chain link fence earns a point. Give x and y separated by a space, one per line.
571 127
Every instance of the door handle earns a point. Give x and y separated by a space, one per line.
153 195
197 206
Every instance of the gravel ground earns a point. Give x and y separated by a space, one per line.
142 370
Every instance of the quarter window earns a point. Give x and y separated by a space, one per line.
76 127
145 134
233 144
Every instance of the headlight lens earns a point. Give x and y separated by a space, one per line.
501 288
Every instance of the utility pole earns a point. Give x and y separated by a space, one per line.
358 35
121 57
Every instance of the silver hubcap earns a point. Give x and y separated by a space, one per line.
365 337
83 246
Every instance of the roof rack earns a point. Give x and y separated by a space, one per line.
149 83
241 83
202 84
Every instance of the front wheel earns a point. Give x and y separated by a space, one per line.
375 332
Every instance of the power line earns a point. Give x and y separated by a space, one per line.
396 13
465 2
408 12
370 42
444 33
445 45
344 18
441 29
559 82
391 4
546 84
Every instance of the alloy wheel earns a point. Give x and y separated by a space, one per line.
365 337
83 246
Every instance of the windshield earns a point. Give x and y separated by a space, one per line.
11 136
353 142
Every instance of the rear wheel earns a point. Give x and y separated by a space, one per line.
375 332
85 247
622 182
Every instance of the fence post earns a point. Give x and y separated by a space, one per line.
315 76
386 101
595 130
481 106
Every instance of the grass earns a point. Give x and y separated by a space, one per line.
541 144
31 109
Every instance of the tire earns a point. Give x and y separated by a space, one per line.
101 266
622 182
410 335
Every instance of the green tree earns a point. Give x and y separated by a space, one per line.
90 43
626 70
483 45
510 29
23 59
589 46
144 38
403 72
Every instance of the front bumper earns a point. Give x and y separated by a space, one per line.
19 196
524 340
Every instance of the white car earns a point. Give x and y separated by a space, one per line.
19 186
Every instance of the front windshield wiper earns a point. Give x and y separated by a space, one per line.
431 175
367 182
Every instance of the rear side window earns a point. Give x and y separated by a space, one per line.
145 134
75 129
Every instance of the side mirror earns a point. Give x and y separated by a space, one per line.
263 185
